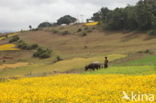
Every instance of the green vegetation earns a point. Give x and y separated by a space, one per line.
79 30
150 60
23 45
83 34
139 17
65 32
67 19
130 70
42 53
14 39
45 24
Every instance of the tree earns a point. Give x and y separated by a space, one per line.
42 53
96 16
143 15
67 19
45 24
101 15
30 27
116 19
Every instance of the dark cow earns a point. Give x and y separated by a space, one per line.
93 66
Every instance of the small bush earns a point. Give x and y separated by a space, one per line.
86 28
152 32
93 28
35 29
42 53
55 31
89 31
58 58
14 39
22 45
83 34
79 30
65 32
34 46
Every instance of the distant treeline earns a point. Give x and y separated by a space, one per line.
142 16
67 19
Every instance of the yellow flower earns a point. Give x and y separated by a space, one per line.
8 47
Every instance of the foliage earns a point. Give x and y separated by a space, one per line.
44 24
55 31
83 34
23 45
142 16
65 32
14 39
79 30
30 27
152 32
67 19
128 70
150 60
42 53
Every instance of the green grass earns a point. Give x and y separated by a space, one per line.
128 70
150 60
62 66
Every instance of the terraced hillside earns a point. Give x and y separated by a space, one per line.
78 45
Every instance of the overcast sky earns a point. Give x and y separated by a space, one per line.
19 14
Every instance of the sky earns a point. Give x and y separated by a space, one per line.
17 15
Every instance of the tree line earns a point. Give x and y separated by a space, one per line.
141 16
67 19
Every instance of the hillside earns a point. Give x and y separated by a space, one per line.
70 43
27 79
96 41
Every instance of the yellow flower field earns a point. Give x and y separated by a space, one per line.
91 24
2 38
74 88
8 47
12 34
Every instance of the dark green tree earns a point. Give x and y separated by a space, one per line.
44 24
67 19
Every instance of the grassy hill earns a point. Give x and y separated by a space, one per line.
131 66
76 44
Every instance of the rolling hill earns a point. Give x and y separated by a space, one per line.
70 43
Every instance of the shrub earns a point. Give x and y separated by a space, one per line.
83 34
34 46
89 31
65 32
79 30
21 44
14 39
58 58
152 32
55 31
42 53
86 28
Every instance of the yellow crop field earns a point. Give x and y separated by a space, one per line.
8 35
91 24
8 47
12 34
74 88
2 38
